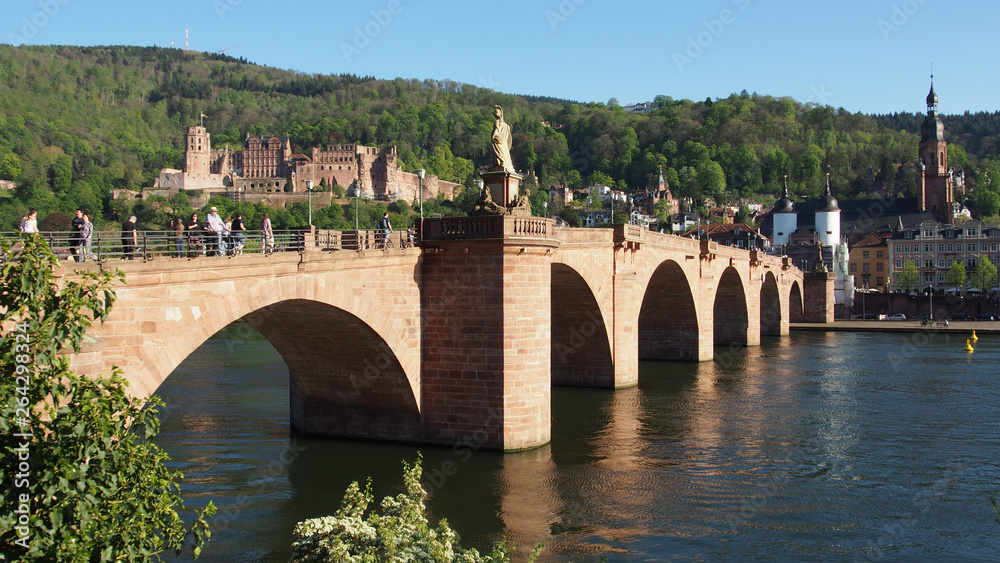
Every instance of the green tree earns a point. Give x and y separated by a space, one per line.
956 274
10 167
96 487
61 174
987 203
985 274
571 216
662 211
400 532
712 180
908 277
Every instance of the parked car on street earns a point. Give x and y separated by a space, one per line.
921 317
897 317
962 317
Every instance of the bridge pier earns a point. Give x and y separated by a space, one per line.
817 297
486 331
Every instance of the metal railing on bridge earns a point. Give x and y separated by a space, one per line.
110 245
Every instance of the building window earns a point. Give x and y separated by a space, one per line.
972 247
854 267
928 278
899 263
878 267
951 247
982 247
928 248
928 233
941 263
972 263
941 248
941 278
878 254
865 254
899 248
929 264
970 232
906 248
879 281
993 247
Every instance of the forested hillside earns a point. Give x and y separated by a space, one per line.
77 122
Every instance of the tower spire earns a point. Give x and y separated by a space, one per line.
932 99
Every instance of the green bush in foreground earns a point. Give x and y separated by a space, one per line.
398 532
82 479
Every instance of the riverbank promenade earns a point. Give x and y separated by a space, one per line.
957 327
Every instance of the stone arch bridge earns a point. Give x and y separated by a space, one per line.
464 336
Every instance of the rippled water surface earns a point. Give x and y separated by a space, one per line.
814 447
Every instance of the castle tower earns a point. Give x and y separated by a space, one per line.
828 219
197 151
785 218
935 183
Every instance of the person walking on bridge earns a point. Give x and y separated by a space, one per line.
29 223
266 235
178 226
76 236
386 227
194 236
87 233
215 226
129 238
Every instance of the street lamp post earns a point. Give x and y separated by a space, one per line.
931 292
309 186
420 189
479 183
864 307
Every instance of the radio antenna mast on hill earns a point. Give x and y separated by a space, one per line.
185 39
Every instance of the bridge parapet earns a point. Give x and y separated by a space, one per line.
487 227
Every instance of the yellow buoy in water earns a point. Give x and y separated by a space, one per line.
974 337
968 347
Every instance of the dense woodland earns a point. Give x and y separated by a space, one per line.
77 122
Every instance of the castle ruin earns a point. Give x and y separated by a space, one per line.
266 165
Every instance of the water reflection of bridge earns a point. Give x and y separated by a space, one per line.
462 337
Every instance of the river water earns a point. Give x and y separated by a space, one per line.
820 446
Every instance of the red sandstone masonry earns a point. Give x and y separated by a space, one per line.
477 318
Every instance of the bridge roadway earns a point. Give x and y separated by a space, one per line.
463 337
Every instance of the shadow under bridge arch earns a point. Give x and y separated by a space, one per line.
581 349
731 319
770 307
668 319
345 379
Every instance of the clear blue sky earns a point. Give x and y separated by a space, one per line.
872 56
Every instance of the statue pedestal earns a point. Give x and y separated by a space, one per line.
503 186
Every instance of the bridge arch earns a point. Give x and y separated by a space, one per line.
668 318
770 306
160 319
345 379
731 320
796 310
581 345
